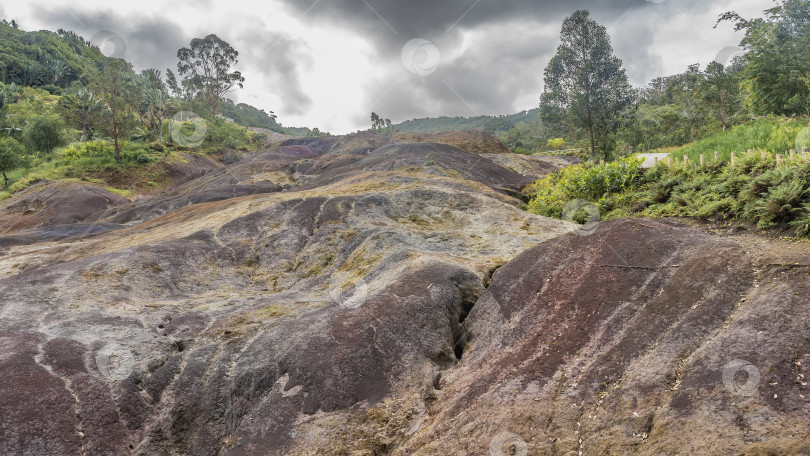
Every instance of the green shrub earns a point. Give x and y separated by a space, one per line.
52 89
44 133
222 134
11 153
779 203
555 143
87 149
133 152
586 182
232 143
802 221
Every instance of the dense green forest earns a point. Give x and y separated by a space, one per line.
67 110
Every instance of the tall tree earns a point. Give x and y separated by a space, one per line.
683 91
171 83
776 78
158 105
82 109
151 79
720 89
380 124
205 68
154 101
585 84
115 83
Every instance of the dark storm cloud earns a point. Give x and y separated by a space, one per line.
430 18
492 75
391 23
151 41
486 78
281 61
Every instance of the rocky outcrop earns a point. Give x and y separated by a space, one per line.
534 166
321 298
627 340
50 203
213 321
54 210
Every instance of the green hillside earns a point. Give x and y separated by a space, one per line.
68 111
443 124
45 59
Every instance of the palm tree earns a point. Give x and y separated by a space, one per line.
82 108
159 104
58 70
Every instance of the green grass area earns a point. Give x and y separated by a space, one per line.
754 189
92 162
771 135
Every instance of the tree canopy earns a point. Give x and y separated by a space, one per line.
115 82
205 68
777 63
585 84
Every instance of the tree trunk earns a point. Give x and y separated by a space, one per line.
590 132
117 147
5 184
214 102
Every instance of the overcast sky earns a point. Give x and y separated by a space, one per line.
329 63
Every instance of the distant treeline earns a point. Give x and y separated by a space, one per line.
494 124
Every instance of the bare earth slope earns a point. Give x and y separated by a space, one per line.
337 296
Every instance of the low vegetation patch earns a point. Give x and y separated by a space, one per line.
770 134
754 189
586 182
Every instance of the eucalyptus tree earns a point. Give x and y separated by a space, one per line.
585 84
205 67
115 83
